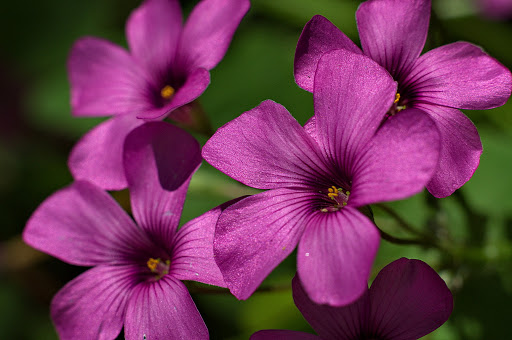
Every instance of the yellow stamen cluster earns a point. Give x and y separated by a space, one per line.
339 196
333 192
167 92
152 264
156 266
397 97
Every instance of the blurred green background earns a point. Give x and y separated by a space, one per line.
474 226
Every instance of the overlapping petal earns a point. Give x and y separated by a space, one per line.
342 323
153 31
352 95
208 32
105 80
83 225
163 310
267 148
255 234
408 301
399 161
460 150
93 305
159 160
393 32
335 256
459 75
318 37
193 257
97 157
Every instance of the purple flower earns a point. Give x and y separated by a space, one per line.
441 81
497 9
406 301
137 267
167 67
317 178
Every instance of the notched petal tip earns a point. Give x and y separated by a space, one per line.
318 36
409 300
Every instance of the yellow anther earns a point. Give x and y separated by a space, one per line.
152 264
397 97
333 192
347 193
167 92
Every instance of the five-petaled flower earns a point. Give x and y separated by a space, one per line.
166 68
451 77
138 266
406 301
318 177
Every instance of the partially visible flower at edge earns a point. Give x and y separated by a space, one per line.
451 77
137 267
407 301
496 9
166 68
318 176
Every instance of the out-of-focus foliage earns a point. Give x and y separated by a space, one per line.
474 226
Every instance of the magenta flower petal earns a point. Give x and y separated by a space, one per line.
105 80
318 36
158 176
342 323
408 301
163 310
255 234
460 150
153 31
193 250
350 102
93 305
459 75
83 225
335 256
282 335
393 32
208 32
196 83
392 167
265 148
97 157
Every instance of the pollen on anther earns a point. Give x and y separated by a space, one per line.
397 97
332 192
152 264
167 92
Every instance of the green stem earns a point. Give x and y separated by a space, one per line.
401 222
417 241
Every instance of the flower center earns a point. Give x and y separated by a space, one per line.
167 92
397 106
338 198
159 267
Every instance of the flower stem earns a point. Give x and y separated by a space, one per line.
402 241
401 222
